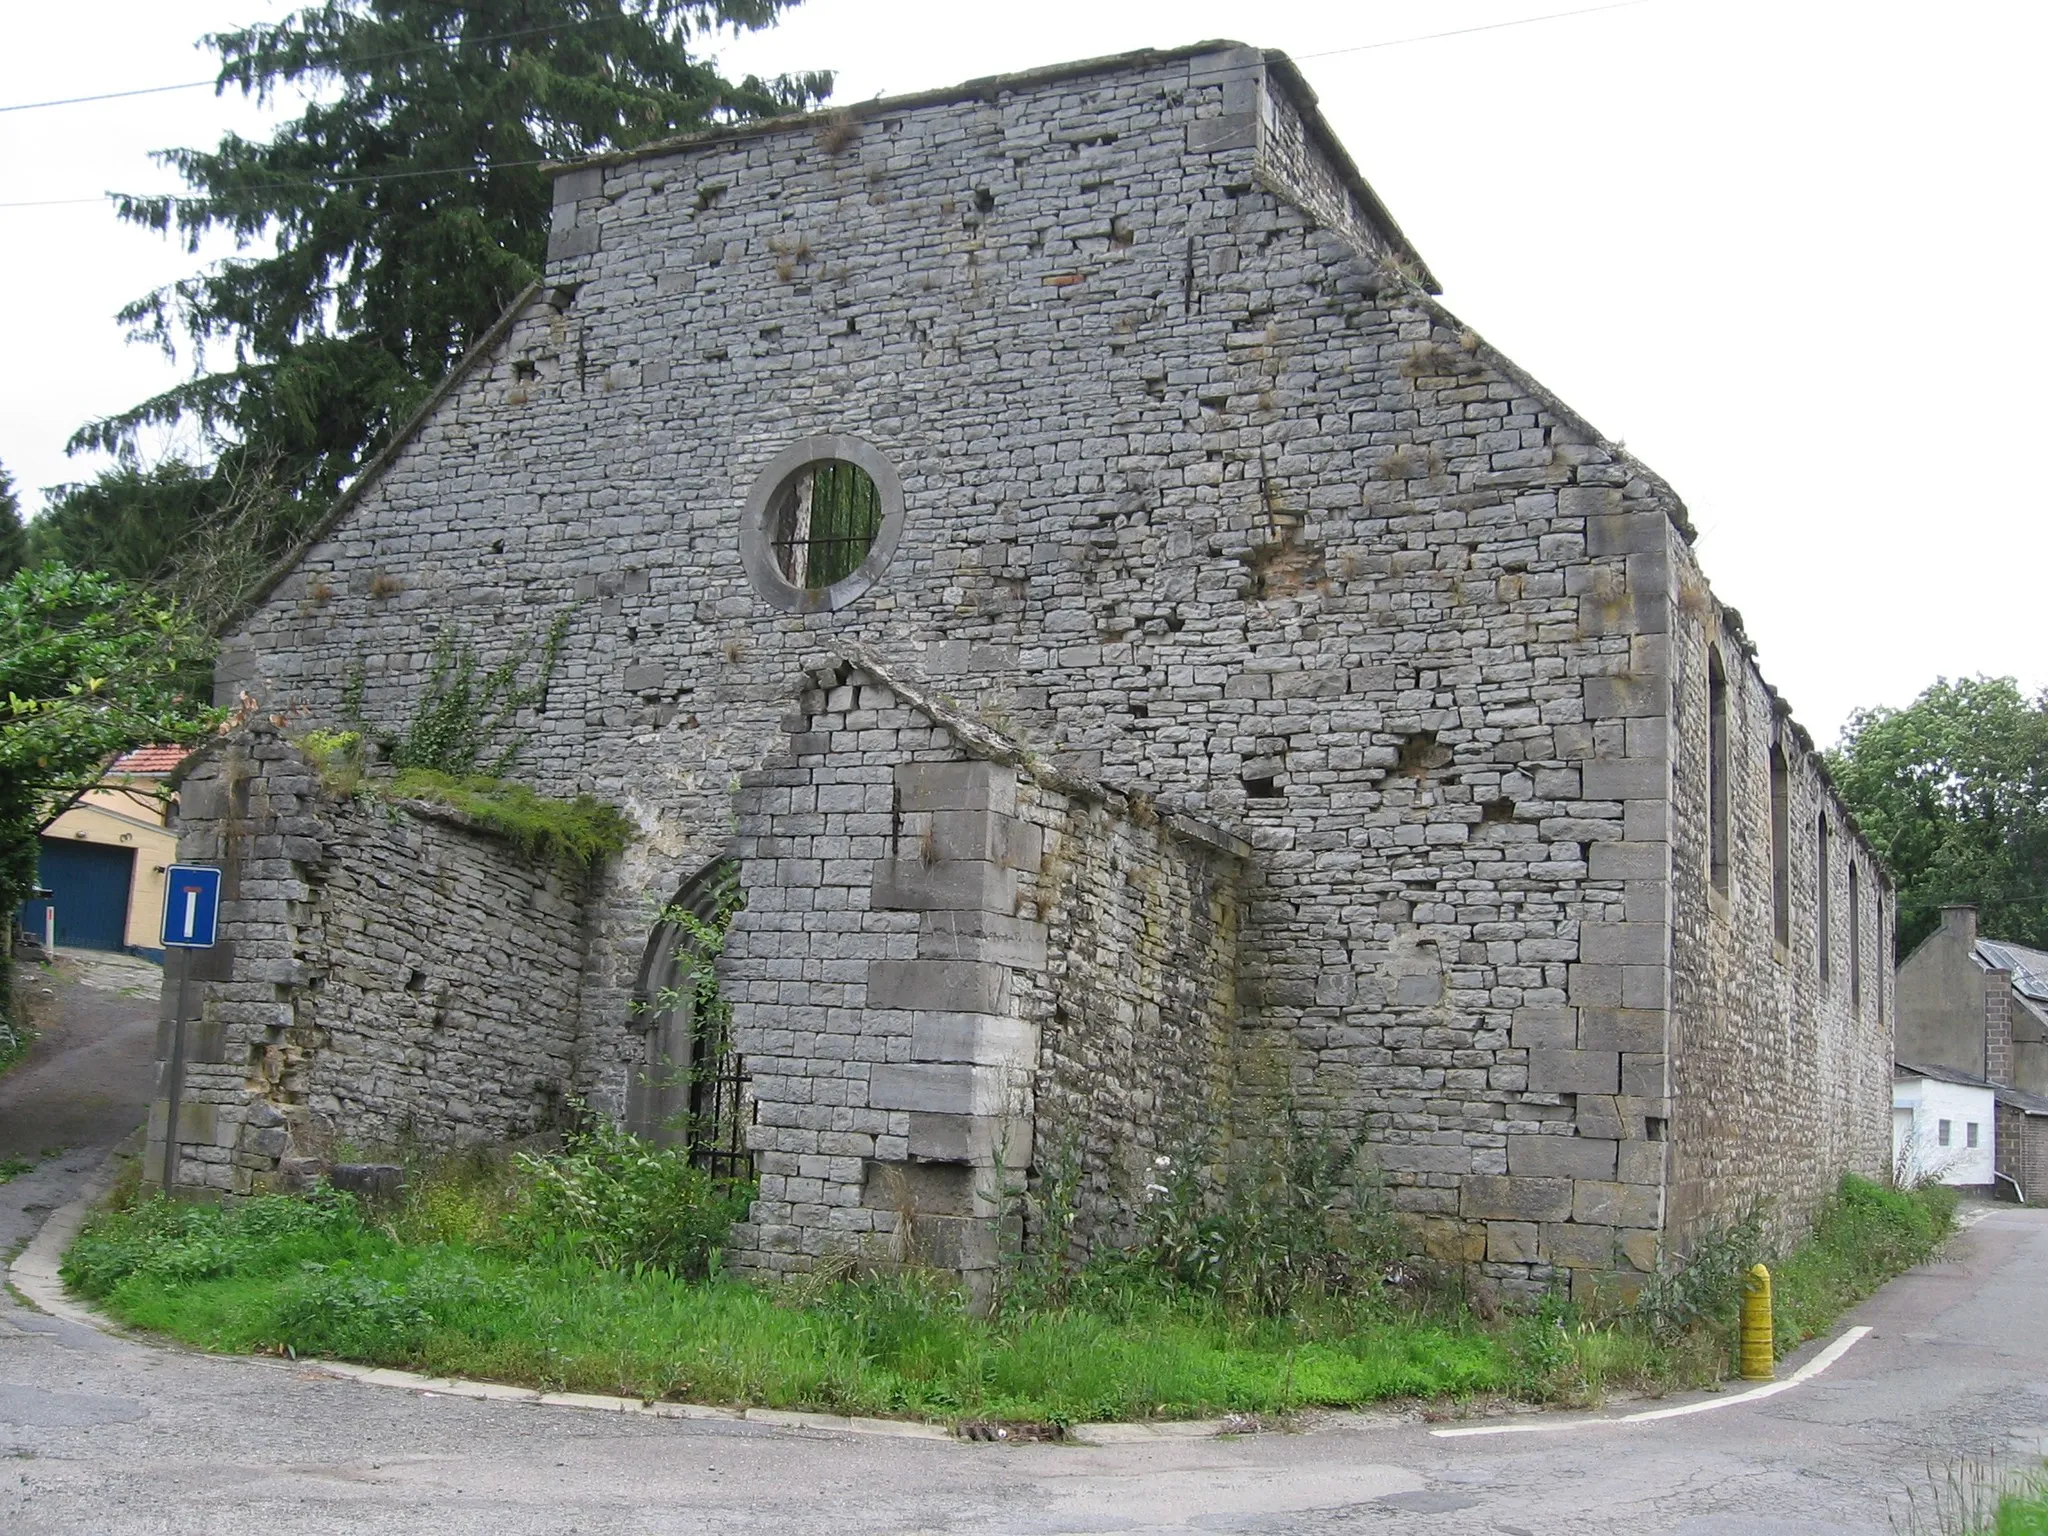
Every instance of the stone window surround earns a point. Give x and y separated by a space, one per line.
757 530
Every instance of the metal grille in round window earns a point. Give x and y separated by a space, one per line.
826 519
821 522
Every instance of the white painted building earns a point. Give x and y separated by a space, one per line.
1944 1127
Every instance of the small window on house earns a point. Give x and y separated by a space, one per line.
825 522
1781 838
1823 900
1969 1133
1941 1130
1717 771
1855 941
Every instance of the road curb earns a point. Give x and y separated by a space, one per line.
34 1270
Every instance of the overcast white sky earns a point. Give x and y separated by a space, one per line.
1789 252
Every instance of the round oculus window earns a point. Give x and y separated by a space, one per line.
824 522
821 522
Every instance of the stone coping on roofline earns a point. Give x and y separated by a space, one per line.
986 86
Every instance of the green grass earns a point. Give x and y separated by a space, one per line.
1862 1237
2020 1514
583 830
278 1274
478 1274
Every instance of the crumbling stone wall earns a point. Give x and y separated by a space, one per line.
954 962
1137 1005
384 973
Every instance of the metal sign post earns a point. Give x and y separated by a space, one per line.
191 917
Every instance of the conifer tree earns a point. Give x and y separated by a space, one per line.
13 538
390 223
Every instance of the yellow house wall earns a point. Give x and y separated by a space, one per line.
95 820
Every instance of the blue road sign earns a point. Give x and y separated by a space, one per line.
191 906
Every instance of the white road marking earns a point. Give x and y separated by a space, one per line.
1805 1373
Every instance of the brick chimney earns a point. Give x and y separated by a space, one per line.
1997 1026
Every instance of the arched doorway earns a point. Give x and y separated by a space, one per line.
689 1088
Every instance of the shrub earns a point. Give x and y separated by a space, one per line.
1295 1218
1707 1287
625 1204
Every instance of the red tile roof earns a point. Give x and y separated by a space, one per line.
149 760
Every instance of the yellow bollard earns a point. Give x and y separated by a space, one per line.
1758 1356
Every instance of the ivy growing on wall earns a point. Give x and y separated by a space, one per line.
468 711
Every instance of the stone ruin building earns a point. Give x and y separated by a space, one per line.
1137 655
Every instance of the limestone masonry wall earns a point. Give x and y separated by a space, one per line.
1137 1004
1205 498
1780 1066
383 974
951 964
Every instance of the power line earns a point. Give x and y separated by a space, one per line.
344 181
72 101
222 80
499 37
1491 26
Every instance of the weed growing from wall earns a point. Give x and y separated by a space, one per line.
466 710
1294 1217
1708 1285
582 831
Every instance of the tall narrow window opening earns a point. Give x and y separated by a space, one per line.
1855 941
1823 906
1781 838
1717 771
690 1089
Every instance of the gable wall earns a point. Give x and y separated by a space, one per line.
1941 999
1202 500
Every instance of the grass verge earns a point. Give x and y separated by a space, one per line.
2020 1514
530 1272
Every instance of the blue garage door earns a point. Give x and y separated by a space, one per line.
89 885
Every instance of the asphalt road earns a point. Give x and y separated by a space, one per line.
84 1084
110 1435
